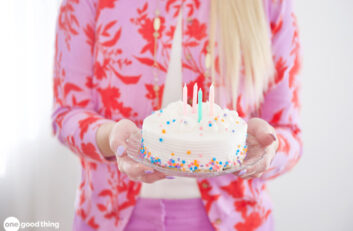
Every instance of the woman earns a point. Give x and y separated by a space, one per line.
117 61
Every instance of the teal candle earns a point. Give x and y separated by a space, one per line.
200 106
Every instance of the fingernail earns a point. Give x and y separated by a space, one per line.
120 150
148 171
273 137
170 177
242 172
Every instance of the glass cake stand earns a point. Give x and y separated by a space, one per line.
133 151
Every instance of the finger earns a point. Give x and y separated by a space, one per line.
258 169
134 143
262 130
138 172
150 178
131 167
121 132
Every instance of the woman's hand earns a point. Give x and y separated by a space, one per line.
119 137
262 145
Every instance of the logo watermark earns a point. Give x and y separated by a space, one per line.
13 224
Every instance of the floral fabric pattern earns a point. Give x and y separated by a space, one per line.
104 71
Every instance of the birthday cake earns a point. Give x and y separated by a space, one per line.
177 138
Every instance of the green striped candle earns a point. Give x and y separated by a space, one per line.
200 106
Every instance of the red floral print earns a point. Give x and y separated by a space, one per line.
104 60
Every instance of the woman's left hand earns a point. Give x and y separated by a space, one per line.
262 144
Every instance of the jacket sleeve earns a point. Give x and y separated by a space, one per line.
281 104
74 118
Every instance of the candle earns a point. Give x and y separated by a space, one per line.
185 97
200 106
211 100
194 98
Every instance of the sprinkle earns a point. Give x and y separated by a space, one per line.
174 120
161 111
188 152
168 122
215 118
173 154
163 131
210 124
214 158
183 161
220 162
225 115
222 120
201 128
160 139
233 130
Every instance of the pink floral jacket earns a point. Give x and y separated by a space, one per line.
103 72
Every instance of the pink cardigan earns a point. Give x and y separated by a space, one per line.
103 72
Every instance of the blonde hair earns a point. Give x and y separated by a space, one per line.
244 38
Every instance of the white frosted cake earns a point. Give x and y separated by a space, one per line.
174 138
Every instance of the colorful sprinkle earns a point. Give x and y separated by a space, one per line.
174 120
163 131
160 139
168 122
188 152
210 124
173 154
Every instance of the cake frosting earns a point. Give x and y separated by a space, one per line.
173 138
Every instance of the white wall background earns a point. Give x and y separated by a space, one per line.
38 176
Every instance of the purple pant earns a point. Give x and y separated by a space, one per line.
169 215
162 214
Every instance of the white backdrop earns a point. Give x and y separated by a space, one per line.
38 176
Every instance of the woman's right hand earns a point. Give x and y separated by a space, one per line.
121 132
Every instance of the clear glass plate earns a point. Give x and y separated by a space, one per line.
133 151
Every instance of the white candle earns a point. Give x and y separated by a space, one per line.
194 99
185 97
211 100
